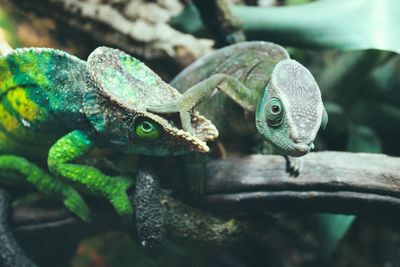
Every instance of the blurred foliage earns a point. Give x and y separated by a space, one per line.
345 25
8 28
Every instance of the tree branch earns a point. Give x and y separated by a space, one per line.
338 182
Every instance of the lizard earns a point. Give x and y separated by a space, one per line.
262 90
55 108
278 101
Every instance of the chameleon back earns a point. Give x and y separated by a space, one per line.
36 94
127 80
251 63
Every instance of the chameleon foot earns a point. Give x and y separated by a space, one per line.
118 197
294 165
74 203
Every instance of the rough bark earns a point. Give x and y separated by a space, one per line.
339 182
226 28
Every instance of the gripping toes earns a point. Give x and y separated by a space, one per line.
294 165
74 202
118 197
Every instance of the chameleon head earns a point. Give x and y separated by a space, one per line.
291 111
155 135
151 134
119 89
141 132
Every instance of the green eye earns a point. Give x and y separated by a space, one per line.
147 129
274 112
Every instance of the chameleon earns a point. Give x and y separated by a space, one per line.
55 108
260 90
277 100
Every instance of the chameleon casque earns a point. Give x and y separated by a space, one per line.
263 89
55 108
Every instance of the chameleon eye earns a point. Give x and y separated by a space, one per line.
147 129
274 111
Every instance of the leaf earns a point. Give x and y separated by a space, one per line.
344 25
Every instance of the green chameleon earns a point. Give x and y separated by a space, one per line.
277 96
263 89
55 108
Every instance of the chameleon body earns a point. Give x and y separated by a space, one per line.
263 89
264 73
55 108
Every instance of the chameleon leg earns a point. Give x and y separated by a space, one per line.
201 91
11 254
18 170
60 161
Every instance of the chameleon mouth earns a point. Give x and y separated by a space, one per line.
190 140
301 149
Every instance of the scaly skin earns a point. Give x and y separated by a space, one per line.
255 77
55 107
266 72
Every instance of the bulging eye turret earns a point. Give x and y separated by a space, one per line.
274 112
146 129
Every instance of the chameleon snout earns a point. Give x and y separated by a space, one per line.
302 148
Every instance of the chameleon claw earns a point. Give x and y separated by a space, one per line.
119 198
294 166
75 203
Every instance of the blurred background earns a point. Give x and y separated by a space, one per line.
351 48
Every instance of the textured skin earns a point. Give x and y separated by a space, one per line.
294 85
267 72
55 107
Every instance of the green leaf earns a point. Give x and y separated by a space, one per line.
345 25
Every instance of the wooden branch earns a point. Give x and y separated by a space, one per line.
38 221
10 253
338 182
220 22
44 231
